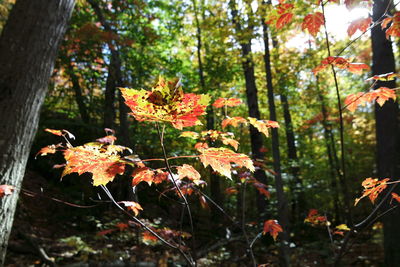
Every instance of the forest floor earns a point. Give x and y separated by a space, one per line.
51 233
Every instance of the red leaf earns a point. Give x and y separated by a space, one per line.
313 22
314 218
143 175
6 190
55 132
272 227
394 29
396 197
341 63
380 95
133 206
384 77
361 24
284 19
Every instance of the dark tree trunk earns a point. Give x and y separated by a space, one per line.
331 151
28 48
386 130
256 138
215 185
283 212
78 93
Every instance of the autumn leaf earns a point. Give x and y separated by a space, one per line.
143 175
166 102
122 226
133 206
229 102
231 190
350 4
396 197
380 95
314 218
313 22
272 227
384 77
102 161
341 63
263 125
6 190
220 160
55 132
284 19
372 188
281 16
189 134
394 29
361 24
51 149
234 121
109 139
343 227
189 172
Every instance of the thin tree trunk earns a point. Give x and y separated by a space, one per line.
256 138
386 130
283 212
78 92
28 48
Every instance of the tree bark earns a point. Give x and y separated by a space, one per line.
283 212
28 48
256 138
386 130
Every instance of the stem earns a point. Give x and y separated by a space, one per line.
244 225
341 130
161 135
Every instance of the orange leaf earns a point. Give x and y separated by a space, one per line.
51 149
234 121
189 134
284 19
313 22
229 102
314 218
133 206
394 29
380 95
361 24
102 161
122 226
273 228
143 175
231 190
55 132
220 160
263 125
6 190
189 172
149 237
341 63
372 188
384 77
396 197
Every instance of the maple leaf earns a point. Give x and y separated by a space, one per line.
313 22
263 125
200 145
394 29
372 188
341 63
384 77
361 24
314 218
380 95
189 134
149 237
234 121
230 142
51 149
272 227
102 161
220 160
350 4
6 190
229 102
55 132
281 16
133 206
143 175
188 171
231 190
284 19
396 197
166 103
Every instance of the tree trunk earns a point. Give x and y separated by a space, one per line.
256 138
78 92
283 212
386 130
28 48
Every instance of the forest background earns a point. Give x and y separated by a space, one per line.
323 70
